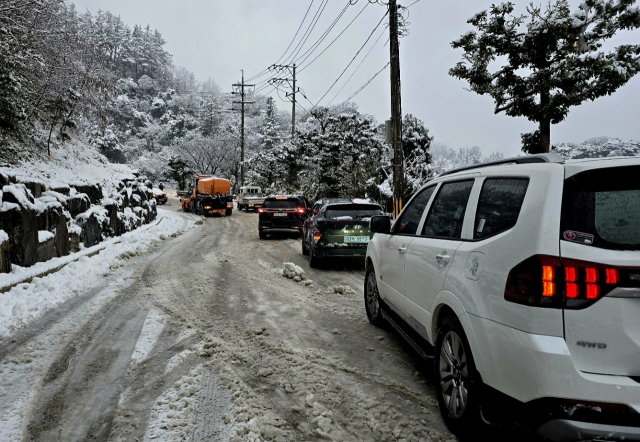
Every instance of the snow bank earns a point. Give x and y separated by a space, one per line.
3 236
26 302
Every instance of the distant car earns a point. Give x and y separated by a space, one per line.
160 196
282 213
338 228
249 198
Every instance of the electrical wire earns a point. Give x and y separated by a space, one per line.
309 30
364 85
334 40
287 50
358 67
352 60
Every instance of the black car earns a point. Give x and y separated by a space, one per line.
338 228
160 196
282 213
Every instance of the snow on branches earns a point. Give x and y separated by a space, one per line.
549 60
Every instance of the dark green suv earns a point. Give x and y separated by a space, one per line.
338 228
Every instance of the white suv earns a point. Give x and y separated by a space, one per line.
521 278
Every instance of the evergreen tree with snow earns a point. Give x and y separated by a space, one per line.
549 60
416 142
210 117
271 131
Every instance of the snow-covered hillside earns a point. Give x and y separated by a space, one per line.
72 162
598 148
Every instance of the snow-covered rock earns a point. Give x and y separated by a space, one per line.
292 271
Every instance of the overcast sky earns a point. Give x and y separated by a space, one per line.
213 37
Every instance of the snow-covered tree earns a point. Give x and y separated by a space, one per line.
210 116
415 148
271 131
549 60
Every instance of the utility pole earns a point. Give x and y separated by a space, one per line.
239 89
292 83
396 110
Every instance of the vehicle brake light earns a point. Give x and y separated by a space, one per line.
301 210
592 275
593 291
613 276
543 281
570 274
262 210
207 207
317 235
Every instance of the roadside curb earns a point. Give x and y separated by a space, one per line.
60 264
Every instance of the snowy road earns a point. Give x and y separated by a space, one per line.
200 339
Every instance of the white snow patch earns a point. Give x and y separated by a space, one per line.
3 236
44 235
151 330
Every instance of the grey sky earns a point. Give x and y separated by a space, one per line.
212 37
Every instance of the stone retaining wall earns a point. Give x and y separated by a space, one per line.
75 215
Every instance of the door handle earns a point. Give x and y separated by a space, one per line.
402 250
443 258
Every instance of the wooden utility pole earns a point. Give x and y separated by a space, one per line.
396 110
292 83
239 89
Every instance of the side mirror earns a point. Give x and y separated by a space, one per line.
380 224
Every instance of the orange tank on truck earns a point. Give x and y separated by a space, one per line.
209 195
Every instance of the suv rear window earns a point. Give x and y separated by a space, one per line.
353 211
499 205
604 203
290 203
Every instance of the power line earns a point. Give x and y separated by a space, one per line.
286 50
334 40
352 60
309 30
315 45
358 67
365 85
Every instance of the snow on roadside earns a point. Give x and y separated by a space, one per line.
28 301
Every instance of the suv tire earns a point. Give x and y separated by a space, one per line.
372 298
314 261
262 234
305 250
458 384
228 212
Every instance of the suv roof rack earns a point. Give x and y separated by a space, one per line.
551 157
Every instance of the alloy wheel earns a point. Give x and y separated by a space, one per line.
454 374
373 298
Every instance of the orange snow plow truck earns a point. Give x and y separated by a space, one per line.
209 195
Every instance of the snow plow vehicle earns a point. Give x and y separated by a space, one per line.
209 195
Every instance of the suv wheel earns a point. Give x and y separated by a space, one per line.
305 250
372 298
263 234
458 384
314 261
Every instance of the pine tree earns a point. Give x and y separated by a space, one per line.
210 117
550 60
270 131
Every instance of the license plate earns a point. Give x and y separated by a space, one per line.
358 239
280 214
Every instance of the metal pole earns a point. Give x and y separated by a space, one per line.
396 109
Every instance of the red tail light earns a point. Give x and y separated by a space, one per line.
543 281
317 235
262 210
301 210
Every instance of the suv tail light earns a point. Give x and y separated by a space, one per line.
317 235
262 210
546 281
301 210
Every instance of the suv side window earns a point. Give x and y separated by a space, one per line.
499 205
408 222
447 211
